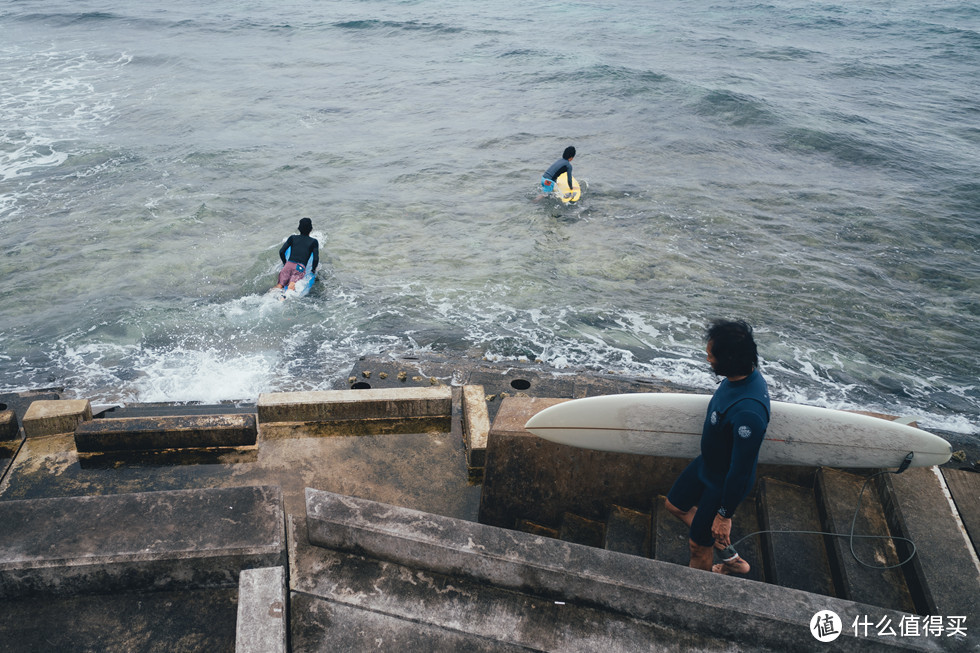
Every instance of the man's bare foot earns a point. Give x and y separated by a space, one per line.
735 566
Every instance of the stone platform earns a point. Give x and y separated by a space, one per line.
380 509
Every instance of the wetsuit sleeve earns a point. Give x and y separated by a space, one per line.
282 250
748 432
316 255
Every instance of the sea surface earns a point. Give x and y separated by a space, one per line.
810 167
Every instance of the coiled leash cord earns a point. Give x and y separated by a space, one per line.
730 552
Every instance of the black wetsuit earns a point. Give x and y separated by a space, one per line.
302 247
718 479
558 167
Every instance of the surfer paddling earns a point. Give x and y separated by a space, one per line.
300 248
709 490
564 164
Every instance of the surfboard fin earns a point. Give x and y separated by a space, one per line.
907 421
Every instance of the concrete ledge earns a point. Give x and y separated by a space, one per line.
347 405
51 416
171 432
261 611
151 540
743 611
476 425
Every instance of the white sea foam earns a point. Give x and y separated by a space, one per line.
207 376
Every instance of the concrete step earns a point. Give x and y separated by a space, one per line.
527 526
793 560
581 530
532 592
162 540
628 531
166 432
670 535
838 493
964 487
944 575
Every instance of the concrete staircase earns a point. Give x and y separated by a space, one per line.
815 563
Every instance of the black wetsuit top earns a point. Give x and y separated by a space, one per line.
302 247
558 167
734 429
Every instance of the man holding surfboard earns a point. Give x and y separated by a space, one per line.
709 490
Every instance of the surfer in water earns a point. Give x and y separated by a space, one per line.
709 490
564 164
302 246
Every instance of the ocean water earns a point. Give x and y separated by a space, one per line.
811 167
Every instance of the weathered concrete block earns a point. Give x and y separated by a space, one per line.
161 540
167 432
9 429
742 611
51 416
261 611
476 425
346 405
628 531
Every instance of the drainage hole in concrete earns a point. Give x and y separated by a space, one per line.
520 384
361 385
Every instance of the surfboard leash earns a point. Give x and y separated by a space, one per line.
730 552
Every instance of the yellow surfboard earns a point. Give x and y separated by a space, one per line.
566 194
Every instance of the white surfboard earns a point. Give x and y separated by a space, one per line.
664 424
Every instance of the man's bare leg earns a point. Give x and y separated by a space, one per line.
701 556
686 517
